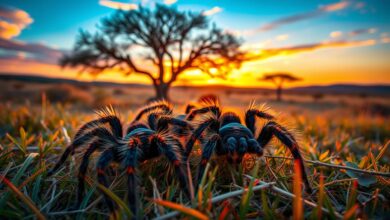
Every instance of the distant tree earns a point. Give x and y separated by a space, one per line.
278 79
161 44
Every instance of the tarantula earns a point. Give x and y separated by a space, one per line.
228 136
143 141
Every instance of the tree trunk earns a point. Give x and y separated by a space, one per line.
279 93
161 90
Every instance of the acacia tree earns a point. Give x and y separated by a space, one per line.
161 44
278 79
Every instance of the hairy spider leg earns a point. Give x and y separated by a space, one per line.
213 109
211 122
175 158
180 127
189 107
83 170
207 151
254 147
104 161
231 144
164 121
131 160
164 106
250 118
112 120
242 147
274 129
152 121
99 132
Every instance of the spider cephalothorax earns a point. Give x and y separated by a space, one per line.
228 136
142 141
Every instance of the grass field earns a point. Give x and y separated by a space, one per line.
333 131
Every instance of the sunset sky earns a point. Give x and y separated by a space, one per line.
323 42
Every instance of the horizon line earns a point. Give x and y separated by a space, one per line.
11 74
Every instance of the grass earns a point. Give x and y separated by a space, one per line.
33 136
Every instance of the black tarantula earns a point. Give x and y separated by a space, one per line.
228 136
142 141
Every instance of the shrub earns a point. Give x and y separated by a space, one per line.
65 93
101 98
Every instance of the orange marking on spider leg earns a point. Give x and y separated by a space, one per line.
100 171
176 162
294 147
130 170
160 138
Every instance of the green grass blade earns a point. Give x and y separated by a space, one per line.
114 197
24 198
36 188
17 144
16 179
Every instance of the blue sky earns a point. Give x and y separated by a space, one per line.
261 24
57 22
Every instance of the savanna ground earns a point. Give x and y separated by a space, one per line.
343 130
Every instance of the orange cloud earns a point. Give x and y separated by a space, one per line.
8 30
273 52
170 2
12 22
335 6
212 11
336 34
118 5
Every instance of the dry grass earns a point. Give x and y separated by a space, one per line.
329 131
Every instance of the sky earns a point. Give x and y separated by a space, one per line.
322 42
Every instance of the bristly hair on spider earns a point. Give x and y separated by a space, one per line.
207 104
204 100
108 110
142 141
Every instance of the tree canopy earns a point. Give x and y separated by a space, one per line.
278 79
161 44
285 77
